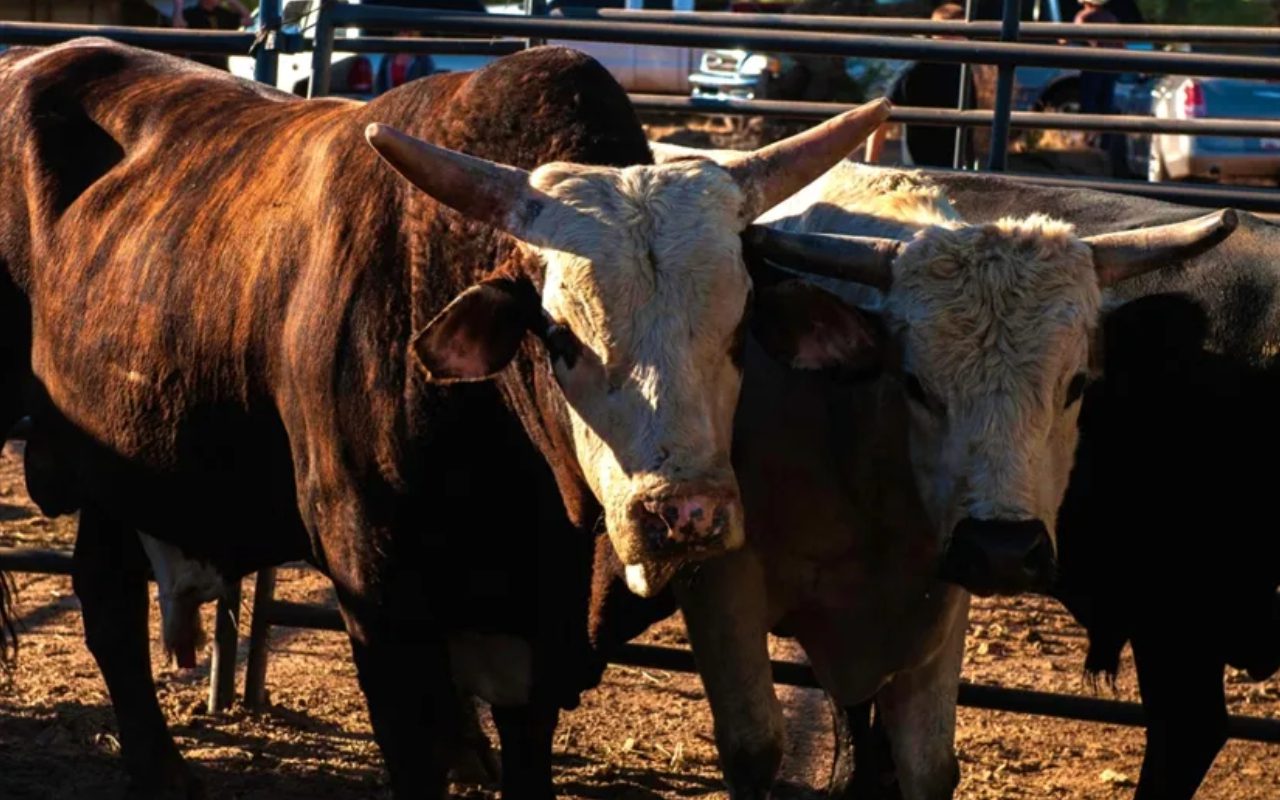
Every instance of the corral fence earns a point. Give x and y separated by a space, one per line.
1006 45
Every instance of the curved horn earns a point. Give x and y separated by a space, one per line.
773 173
474 187
1126 254
861 259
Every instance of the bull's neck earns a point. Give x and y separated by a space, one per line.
842 447
445 263
530 390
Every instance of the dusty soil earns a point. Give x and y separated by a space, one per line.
642 734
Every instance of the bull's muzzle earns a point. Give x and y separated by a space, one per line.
989 557
686 523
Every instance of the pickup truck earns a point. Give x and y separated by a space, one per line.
1216 159
639 68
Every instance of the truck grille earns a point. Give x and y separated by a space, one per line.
720 62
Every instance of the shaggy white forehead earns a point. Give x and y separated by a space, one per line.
988 308
643 253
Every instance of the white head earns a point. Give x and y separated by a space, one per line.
641 306
989 332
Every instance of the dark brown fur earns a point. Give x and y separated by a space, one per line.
222 284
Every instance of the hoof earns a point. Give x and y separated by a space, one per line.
749 774
174 783
476 765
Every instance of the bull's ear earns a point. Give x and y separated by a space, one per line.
807 327
478 333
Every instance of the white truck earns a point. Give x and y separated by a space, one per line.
639 68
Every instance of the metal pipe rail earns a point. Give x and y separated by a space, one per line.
998 53
1004 92
972 695
35 561
964 97
269 612
450 47
266 62
1265 201
222 661
920 115
1195 34
1246 198
167 39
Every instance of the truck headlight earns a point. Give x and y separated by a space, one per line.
758 64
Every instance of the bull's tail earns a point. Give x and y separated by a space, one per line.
8 631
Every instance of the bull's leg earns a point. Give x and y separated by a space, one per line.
413 708
476 762
1186 711
526 732
725 611
863 767
849 725
110 578
919 709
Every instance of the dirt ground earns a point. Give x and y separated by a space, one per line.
642 734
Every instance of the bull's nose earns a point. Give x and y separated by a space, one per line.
684 520
999 556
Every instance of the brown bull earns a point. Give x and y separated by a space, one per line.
239 332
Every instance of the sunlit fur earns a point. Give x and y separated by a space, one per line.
994 320
648 275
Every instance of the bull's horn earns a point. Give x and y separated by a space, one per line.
773 173
861 259
474 187
1125 254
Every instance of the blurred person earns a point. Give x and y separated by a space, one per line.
931 85
215 15
174 13
1097 89
398 67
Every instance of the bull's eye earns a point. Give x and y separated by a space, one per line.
1075 389
562 345
915 390
917 394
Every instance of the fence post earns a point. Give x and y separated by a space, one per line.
958 159
321 55
255 671
267 60
535 8
222 666
1004 91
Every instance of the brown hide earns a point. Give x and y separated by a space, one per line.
223 281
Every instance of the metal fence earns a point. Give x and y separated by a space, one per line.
269 612
812 35
830 36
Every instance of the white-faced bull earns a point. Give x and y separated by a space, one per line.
641 310
931 449
990 328
430 390
1177 438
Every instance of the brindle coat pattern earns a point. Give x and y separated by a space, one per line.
221 283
